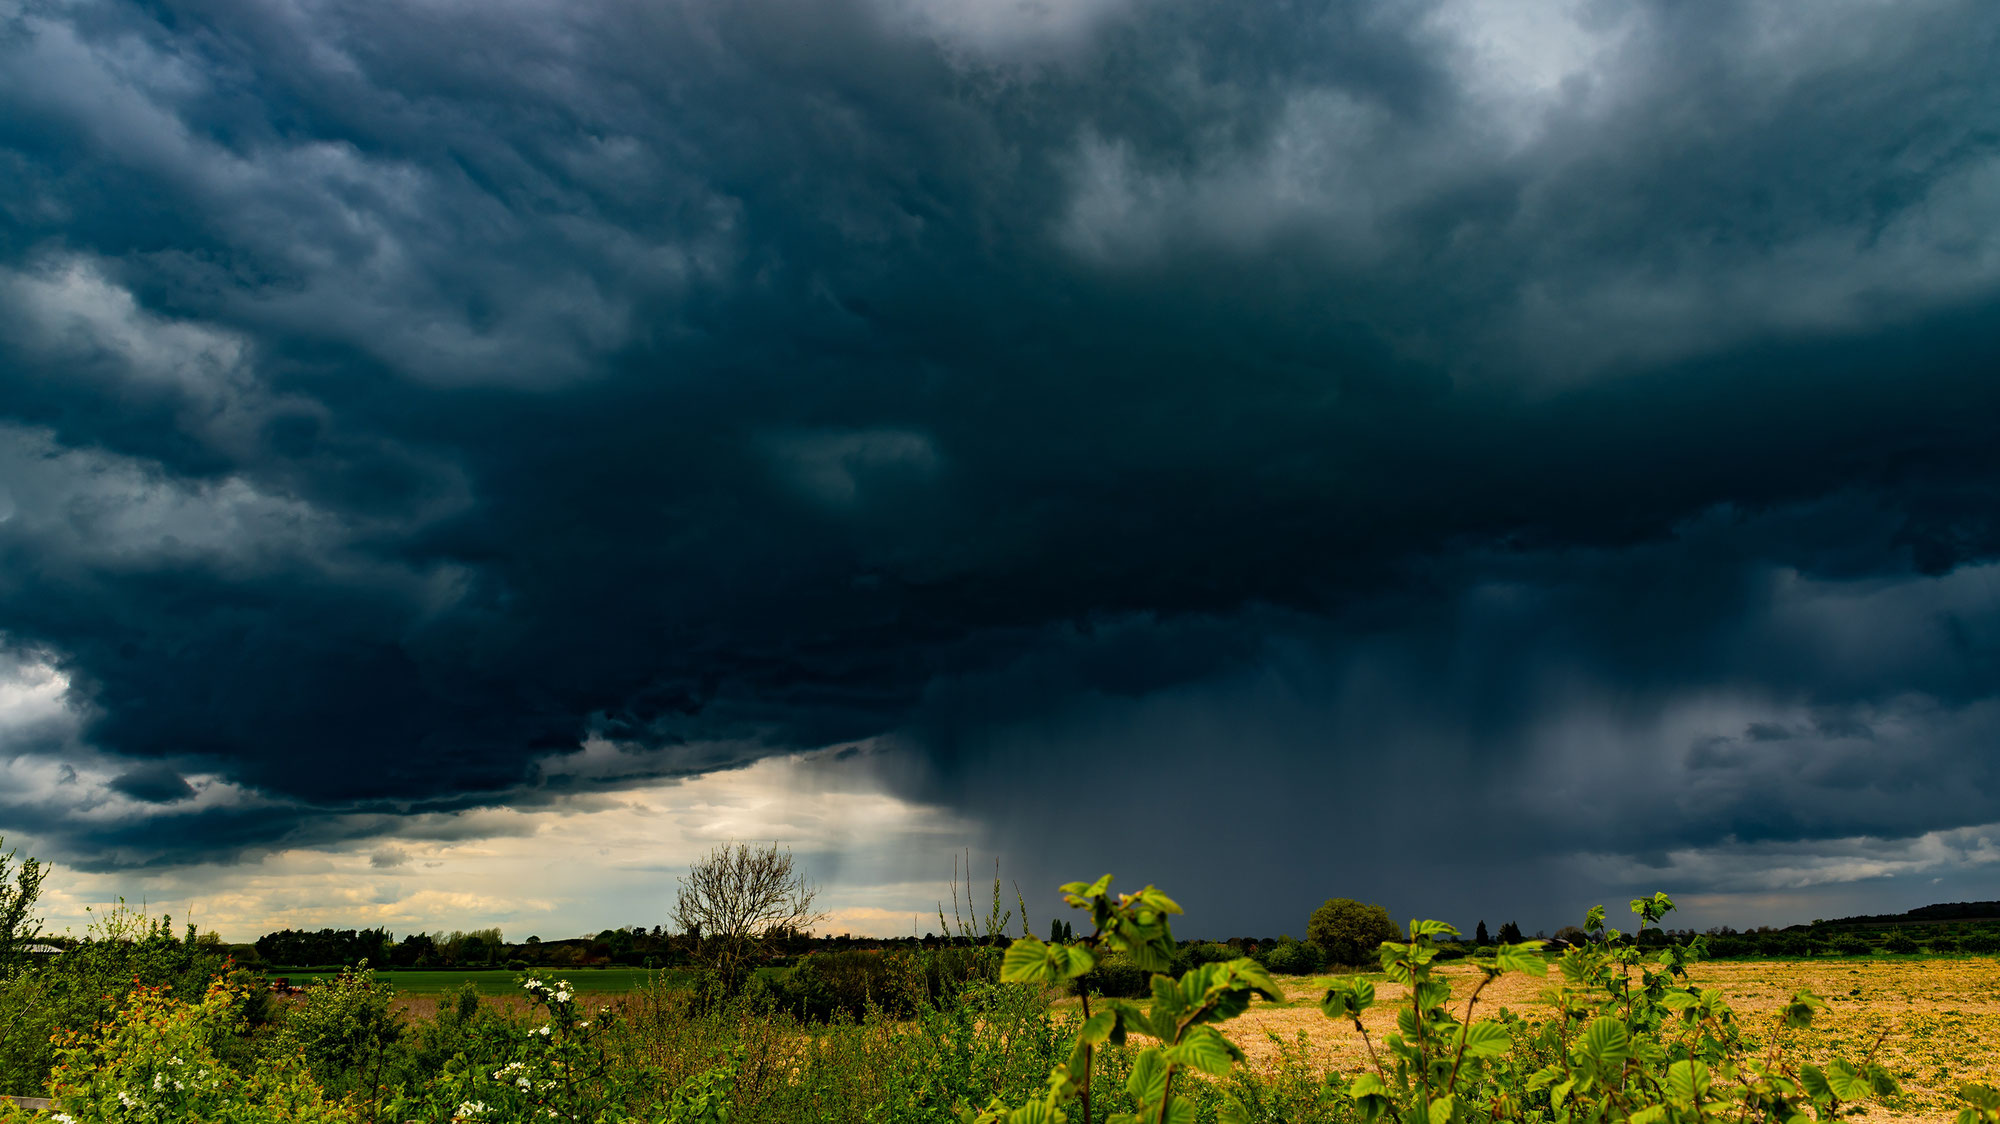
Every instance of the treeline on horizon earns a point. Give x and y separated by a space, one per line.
1971 927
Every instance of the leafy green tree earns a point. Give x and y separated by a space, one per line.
18 926
1349 931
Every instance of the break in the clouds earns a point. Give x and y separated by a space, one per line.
1557 438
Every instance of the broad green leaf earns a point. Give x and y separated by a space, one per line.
1149 1077
1231 1111
1440 1110
1097 1028
1078 962
1035 1112
1367 1085
1594 920
1814 1080
1845 1081
1983 1097
1487 1040
1406 1021
1346 999
1881 1080
1026 961
1431 929
1522 958
1606 1043
1679 1001
1204 1049
1432 993
1651 1114
1687 1082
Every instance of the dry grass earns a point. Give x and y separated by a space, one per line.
1942 1019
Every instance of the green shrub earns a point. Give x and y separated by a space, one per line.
343 1030
1207 952
846 984
1901 944
84 986
1295 958
157 1060
1120 977
1349 931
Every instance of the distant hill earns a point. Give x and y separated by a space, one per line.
1923 915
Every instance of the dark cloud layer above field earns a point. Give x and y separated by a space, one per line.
1583 413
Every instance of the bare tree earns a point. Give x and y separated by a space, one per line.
733 902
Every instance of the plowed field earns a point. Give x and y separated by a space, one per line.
1942 1018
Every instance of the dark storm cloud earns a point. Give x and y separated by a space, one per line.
395 396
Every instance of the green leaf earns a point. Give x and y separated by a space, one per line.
1799 1012
1594 920
1367 1085
1606 1043
1078 962
1347 999
1027 961
1440 1110
1035 1112
1687 1082
1881 1080
1231 1111
1432 993
1651 1114
1098 1027
1522 958
1406 1022
1814 1080
1149 1077
1431 928
1487 1040
1679 1001
1205 1049
1983 1097
1845 1081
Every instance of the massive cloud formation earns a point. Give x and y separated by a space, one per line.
1582 411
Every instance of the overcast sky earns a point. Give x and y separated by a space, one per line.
459 460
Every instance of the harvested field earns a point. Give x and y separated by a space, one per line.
1942 1017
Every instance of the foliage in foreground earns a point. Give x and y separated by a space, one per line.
1624 1038
1629 1040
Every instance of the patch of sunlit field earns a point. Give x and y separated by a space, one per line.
1938 1019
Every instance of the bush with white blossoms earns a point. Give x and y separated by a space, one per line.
555 1069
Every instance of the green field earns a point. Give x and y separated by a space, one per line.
498 981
